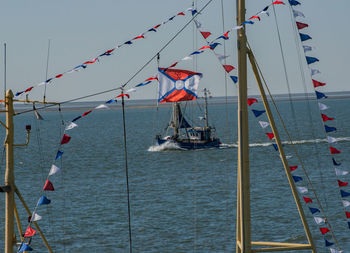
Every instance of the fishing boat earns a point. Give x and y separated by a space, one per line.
186 136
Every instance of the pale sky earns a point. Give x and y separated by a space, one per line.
82 29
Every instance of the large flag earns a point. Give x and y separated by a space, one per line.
177 85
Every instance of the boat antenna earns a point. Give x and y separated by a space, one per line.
5 71
47 67
126 173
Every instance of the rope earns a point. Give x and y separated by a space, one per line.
47 66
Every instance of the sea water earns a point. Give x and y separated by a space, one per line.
180 201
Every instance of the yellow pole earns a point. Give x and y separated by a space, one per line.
281 151
243 244
9 175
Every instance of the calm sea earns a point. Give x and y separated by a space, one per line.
181 201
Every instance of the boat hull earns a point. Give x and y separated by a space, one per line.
186 144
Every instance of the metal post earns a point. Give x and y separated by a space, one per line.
243 175
9 175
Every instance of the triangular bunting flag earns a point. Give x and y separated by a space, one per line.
103 106
54 169
317 83
257 113
25 247
228 68
344 193
324 230
65 139
335 251
252 101
264 124
86 113
306 199
43 201
270 135
346 203
298 14
205 34
329 129
71 126
35 217
339 172
292 168
75 119
304 37
301 25
307 48
342 184
297 179
328 243
331 139
347 214
334 151
302 189
48 186
29 232
278 2
314 72
314 210
275 146
319 220
325 117
320 95
234 79
322 106
59 154
311 60
293 2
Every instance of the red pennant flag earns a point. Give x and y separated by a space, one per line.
324 230
151 78
109 51
29 232
48 186
341 184
252 101
325 117
293 168
65 139
278 2
29 89
139 37
122 95
204 47
206 34
86 113
173 65
181 14
301 25
228 68
226 34
90 62
155 27
270 135
334 151
307 200
347 214
317 83
257 17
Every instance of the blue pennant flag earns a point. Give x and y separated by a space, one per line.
335 163
275 146
222 37
320 95
197 52
214 45
311 60
329 129
234 79
344 194
248 22
328 243
152 30
59 154
349 224
305 37
257 113
25 247
111 101
128 42
293 2
314 210
75 119
43 201
142 84
171 18
297 179
194 12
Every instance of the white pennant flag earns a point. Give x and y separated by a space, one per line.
198 24
187 58
221 56
331 139
54 169
237 27
315 71
307 48
130 90
264 124
322 106
319 220
298 14
346 203
302 189
71 126
288 156
339 172
335 251
102 107
41 84
35 217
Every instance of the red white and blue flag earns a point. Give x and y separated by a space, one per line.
177 85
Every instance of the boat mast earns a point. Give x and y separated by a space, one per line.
176 119
206 124
243 232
